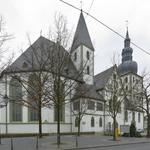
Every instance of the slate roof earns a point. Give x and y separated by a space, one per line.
81 35
101 79
87 91
45 55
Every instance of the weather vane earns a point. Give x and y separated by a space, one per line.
127 23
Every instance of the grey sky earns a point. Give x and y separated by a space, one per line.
32 16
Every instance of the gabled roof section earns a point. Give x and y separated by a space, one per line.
87 91
81 35
101 79
45 55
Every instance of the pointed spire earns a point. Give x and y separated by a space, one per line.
127 34
81 36
127 39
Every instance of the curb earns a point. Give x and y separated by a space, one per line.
101 146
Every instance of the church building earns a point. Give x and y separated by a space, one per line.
87 103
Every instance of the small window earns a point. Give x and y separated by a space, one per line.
92 122
87 55
139 117
75 56
91 105
99 107
100 122
88 70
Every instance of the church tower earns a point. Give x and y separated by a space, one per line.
82 51
128 71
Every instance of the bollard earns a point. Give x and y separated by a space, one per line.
76 141
12 144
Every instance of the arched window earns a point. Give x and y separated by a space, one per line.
100 122
59 86
32 92
76 122
92 122
126 116
139 117
87 55
133 116
88 70
15 94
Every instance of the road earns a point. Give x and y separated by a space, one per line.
140 146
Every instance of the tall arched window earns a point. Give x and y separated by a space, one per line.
100 122
126 116
88 70
87 55
59 88
92 122
15 95
76 122
32 88
139 117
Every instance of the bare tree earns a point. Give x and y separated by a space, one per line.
4 37
54 76
114 96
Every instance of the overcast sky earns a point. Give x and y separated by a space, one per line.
24 17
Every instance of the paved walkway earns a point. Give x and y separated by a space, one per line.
68 142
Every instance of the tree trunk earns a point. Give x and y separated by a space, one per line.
79 127
58 124
148 125
40 121
114 132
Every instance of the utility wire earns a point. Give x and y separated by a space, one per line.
111 29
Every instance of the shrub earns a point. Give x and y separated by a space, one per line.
132 129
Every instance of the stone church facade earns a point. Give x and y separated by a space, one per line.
15 118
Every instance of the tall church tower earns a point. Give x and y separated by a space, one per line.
82 51
128 72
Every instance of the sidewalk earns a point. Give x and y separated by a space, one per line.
68 142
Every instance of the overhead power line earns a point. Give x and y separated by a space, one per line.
111 29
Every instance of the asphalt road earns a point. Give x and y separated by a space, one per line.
139 146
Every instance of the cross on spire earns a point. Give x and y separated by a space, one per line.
81 3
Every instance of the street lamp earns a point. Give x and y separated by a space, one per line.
6 102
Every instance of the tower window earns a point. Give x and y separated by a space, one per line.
88 70
92 122
75 56
126 80
87 55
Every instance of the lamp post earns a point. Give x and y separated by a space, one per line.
6 102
